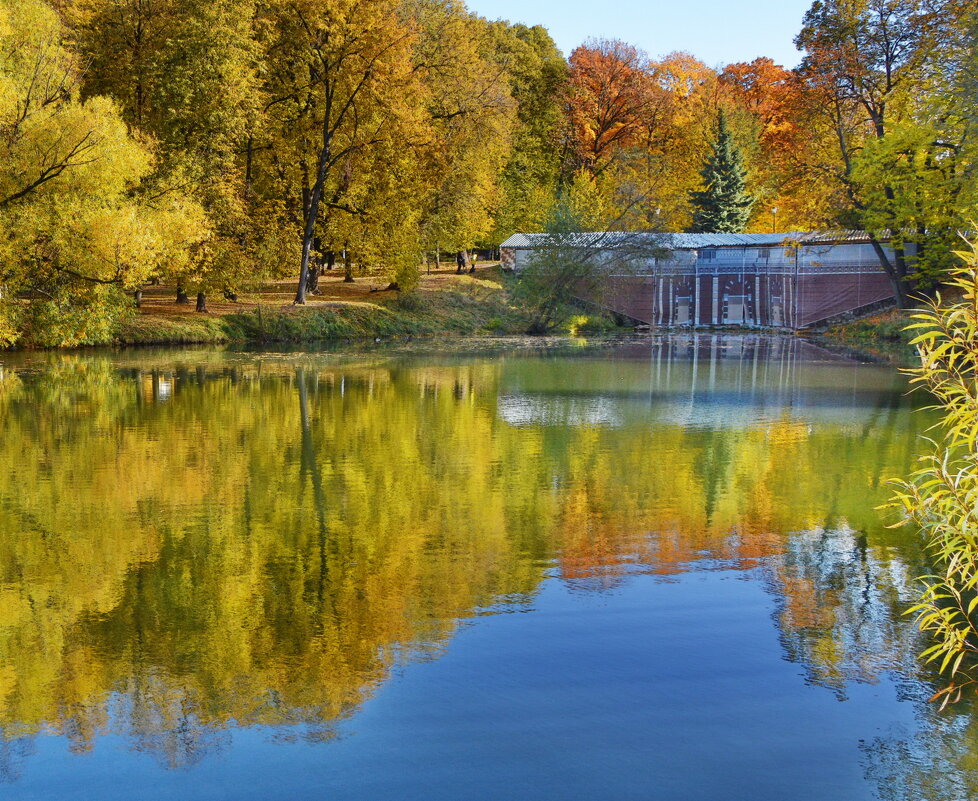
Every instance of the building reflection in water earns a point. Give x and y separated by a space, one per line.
223 540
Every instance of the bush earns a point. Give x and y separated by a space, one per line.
77 314
942 496
581 324
570 262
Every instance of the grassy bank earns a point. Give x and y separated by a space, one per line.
881 337
443 304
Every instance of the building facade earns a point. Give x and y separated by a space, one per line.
787 281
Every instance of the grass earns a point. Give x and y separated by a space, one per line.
881 336
157 329
443 303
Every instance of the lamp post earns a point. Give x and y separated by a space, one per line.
774 215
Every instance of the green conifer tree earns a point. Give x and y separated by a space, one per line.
724 205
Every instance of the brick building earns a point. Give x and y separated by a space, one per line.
791 280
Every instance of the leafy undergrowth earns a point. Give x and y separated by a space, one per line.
882 336
583 324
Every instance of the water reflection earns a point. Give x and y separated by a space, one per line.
196 542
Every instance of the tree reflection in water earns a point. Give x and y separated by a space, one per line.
192 542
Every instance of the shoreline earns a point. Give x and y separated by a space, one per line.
459 311
880 337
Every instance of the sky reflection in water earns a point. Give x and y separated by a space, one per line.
651 571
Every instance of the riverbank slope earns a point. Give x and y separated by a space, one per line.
444 303
881 337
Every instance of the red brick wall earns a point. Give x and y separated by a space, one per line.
823 296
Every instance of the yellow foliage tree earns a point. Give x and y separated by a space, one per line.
77 231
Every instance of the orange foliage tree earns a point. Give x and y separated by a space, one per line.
778 106
609 95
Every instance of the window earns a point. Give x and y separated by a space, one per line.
684 306
734 308
764 253
708 254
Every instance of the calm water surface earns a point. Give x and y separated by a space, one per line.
652 571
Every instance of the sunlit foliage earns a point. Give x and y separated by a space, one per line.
76 230
213 144
942 497
881 74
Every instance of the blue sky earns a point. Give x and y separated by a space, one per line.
715 31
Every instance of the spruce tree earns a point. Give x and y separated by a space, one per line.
724 205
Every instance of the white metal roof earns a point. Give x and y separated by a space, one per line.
675 241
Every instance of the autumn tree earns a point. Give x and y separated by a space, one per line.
77 229
471 113
867 61
918 181
642 127
537 73
341 89
789 187
609 93
676 137
632 125
185 74
382 215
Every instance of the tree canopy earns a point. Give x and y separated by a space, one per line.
215 143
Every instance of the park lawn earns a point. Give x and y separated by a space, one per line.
444 302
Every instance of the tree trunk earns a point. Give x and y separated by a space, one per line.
895 271
312 210
316 268
312 283
249 154
182 297
920 253
347 266
201 302
330 259
900 258
138 297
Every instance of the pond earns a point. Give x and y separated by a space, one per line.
651 570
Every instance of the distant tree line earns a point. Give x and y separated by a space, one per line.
215 143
